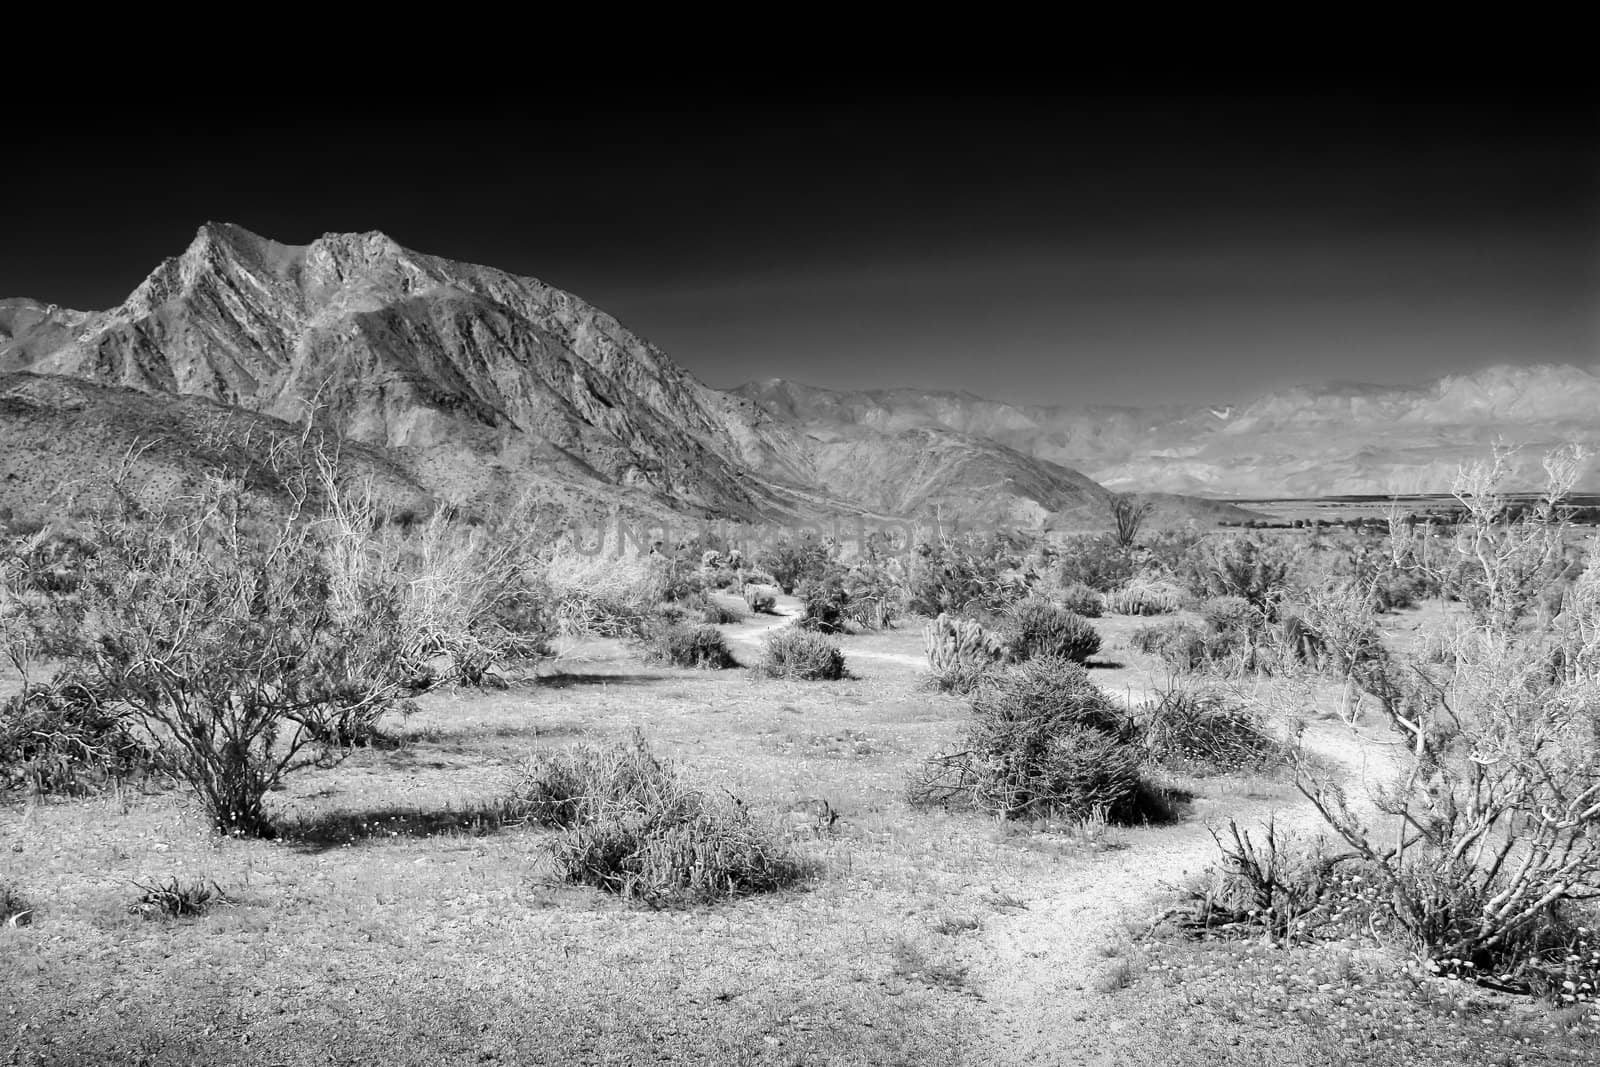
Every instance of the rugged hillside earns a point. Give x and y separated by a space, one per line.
411 352
1308 441
473 384
60 438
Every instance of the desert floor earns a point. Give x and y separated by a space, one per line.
396 926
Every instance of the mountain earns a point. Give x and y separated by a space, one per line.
472 378
1331 439
461 383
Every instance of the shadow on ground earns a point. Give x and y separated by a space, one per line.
335 829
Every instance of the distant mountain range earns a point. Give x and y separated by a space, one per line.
1306 441
468 385
454 383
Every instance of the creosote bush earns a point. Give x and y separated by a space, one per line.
633 825
1037 628
699 646
792 652
1044 742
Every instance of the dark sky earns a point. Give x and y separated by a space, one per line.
1102 242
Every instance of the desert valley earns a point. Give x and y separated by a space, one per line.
1190 734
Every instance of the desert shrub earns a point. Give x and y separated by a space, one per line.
1039 628
1492 827
563 787
1098 562
701 849
174 899
690 646
1044 742
1166 552
876 592
1283 886
603 596
1147 596
1128 515
1081 600
467 596
959 652
791 560
1253 567
967 574
633 825
825 603
763 599
1202 732
15 908
61 737
791 652
720 613
220 633
1182 646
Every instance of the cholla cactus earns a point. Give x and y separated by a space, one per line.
960 650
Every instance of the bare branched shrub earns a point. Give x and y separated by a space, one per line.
219 633
1492 827
604 596
1281 887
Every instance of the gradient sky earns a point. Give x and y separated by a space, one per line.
1066 244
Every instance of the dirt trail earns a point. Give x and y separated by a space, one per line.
787 610
1036 968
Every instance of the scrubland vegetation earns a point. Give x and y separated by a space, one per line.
1328 797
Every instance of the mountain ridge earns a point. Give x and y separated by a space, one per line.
1304 440
478 383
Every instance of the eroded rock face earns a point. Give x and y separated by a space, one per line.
404 350
479 385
